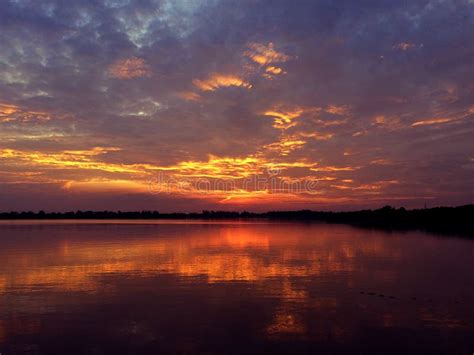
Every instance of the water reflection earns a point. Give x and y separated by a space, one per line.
225 287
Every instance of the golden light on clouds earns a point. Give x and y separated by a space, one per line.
214 167
129 68
217 80
338 109
12 113
432 121
90 170
286 144
379 119
6 109
371 188
82 159
223 180
446 117
263 54
271 72
189 96
388 122
334 168
175 93
274 70
318 136
284 119
217 167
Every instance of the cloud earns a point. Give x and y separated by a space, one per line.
129 68
338 110
284 119
404 46
216 81
334 168
263 54
291 86
317 136
286 145
14 113
189 96
391 123
432 121
274 70
81 160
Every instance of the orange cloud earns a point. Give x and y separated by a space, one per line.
432 121
389 122
382 162
265 54
216 167
404 46
284 119
11 113
334 168
286 145
6 109
371 188
80 159
274 70
338 110
378 185
129 68
189 96
271 72
318 136
216 81
222 179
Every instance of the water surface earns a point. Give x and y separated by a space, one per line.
186 287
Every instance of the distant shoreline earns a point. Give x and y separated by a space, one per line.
446 220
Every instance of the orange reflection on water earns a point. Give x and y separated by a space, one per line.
302 277
285 323
224 253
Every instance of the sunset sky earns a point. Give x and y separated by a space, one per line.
177 105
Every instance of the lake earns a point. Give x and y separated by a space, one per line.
231 287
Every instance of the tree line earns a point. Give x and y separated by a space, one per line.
441 219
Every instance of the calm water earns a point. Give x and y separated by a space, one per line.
195 287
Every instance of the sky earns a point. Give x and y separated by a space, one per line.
177 105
